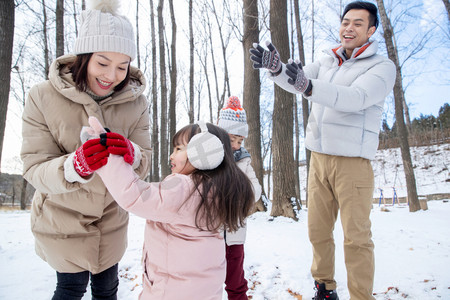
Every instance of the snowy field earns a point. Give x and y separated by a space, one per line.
412 250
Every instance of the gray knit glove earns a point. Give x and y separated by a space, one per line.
268 59
297 77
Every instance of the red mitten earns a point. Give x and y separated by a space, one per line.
89 157
117 144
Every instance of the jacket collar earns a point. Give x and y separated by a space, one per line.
240 154
368 49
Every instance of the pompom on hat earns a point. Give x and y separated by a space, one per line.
102 29
233 118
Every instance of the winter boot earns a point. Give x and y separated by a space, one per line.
323 294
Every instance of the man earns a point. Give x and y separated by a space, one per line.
347 89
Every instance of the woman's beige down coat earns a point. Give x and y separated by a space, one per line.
77 225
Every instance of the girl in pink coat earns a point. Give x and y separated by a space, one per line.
184 252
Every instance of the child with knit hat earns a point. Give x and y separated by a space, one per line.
79 230
233 119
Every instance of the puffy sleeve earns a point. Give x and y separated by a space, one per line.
157 201
248 170
368 89
43 159
140 137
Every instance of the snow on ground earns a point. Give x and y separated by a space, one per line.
412 250
412 254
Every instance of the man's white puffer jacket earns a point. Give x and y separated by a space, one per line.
347 100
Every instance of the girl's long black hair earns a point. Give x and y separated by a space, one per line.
227 196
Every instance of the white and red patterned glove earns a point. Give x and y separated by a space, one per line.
117 144
268 59
297 77
89 157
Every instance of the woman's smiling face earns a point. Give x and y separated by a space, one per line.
105 71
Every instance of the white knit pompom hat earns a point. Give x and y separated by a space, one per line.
233 118
205 150
102 29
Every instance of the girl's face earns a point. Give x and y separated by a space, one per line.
236 141
179 162
105 71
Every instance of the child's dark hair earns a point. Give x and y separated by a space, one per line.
227 196
80 76
370 7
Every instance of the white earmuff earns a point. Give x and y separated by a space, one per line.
205 150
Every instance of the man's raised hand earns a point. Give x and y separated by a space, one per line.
268 59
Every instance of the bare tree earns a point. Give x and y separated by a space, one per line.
191 66
252 91
214 65
224 44
305 104
75 17
282 147
165 170
447 8
138 56
296 121
155 128
313 12
173 75
22 96
399 96
202 54
59 28
45 40
6 40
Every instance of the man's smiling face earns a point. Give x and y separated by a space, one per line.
355 31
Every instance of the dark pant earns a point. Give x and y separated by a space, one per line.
235 282
72 286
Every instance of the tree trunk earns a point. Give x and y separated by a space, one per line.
226 79
6 40
407 117
45 40
191 66
213 60
305 104
137 36
251 94
173 76
59 28
23 195
155 128
75 17
282 147
447 8
296 120
313 37
402 132
165 170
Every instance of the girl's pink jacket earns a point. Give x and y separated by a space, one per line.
180 261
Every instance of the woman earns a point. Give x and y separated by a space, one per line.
79 229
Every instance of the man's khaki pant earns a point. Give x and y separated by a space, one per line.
345 184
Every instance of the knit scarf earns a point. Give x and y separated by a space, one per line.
240 154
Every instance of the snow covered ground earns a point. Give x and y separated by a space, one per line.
412 250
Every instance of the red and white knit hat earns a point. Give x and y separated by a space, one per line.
233 118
